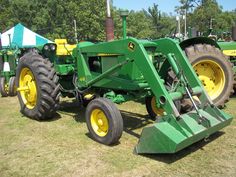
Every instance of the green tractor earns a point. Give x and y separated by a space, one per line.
14 43
8 62
228 47
99 75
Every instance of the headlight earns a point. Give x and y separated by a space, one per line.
46 47
53 47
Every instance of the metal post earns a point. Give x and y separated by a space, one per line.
211 23
108 9
0 42
9 36
178 22
185 24
185 19
1 56
211 26
76 35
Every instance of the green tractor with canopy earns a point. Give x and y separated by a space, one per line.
8 62
14 43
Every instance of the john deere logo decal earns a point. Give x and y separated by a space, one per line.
131 46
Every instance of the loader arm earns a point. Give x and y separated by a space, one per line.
183 62
134 51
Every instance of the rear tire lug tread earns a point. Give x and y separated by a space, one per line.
200 50
47 82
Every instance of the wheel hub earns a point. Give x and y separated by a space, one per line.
212 77
156 110
99 122
6 88
27 88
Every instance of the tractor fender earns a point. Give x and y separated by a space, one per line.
198 40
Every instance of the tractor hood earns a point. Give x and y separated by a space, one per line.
227 45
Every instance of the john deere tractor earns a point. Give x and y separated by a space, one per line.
9 56
8 62
99 75
229 49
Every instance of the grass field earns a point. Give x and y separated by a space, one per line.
62 147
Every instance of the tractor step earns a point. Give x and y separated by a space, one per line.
172 135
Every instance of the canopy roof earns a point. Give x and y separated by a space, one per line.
22 37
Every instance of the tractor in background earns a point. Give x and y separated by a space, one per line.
212 67
8 61
9 58
229 48
99 75
213 61
14 43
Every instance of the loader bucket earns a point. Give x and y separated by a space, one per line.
171 135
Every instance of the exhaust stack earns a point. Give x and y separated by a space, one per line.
124 14
109 24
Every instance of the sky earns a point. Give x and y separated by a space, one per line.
164 5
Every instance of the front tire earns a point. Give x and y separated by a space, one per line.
152 109
3 87
38 88
154 112
214 70
12 86
104 121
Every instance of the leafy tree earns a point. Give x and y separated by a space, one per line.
202 12
209 9
54 18
162 24
154 14
139 26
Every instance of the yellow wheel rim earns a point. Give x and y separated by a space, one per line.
212 77
6 88
28 88
99 122
155 109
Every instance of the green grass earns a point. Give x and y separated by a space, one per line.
62 147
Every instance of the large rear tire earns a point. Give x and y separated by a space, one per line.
214 70
3 87
104 121
38 88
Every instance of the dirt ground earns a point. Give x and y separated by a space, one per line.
62 147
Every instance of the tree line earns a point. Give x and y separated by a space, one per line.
54 18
